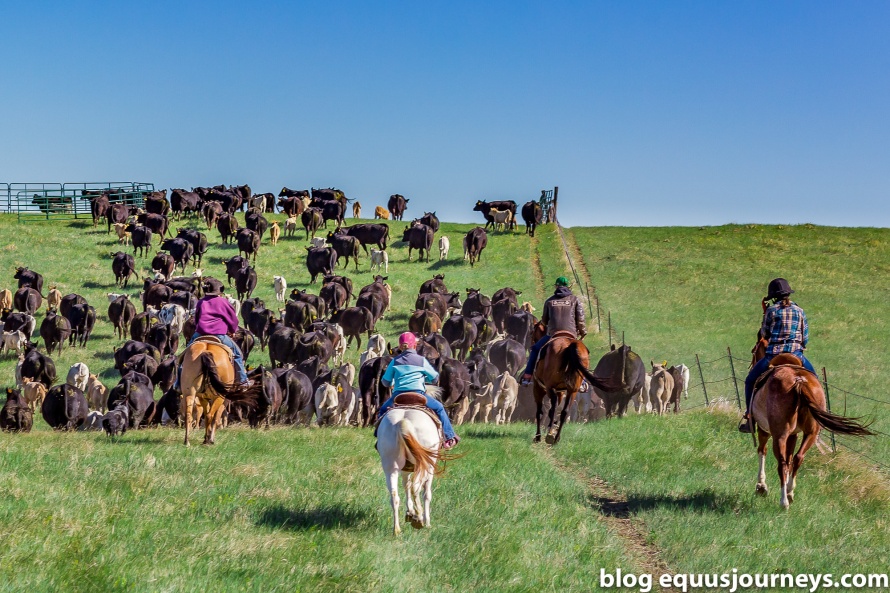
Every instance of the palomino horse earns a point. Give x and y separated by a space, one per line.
791 401
208 375
408 443
561 367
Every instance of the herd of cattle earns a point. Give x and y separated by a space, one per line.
478 344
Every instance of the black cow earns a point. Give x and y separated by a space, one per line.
117 213
532 215
227 225
369 234
38 366
439 342
270 400
507 293
374 300
345 246
121 313
312 220
139 326
435 284
440 304
344 281
27 300
474 242
159 335
211 212
355 321
256 222
130 349
163 263
165 375
372 392
198 241
397 205
156 295
54 330
482 372
312 299
334 296
170 402
291 193
245 340
332 210
454 379
507 355
30 279
245 283
423 322
16 414
249 305
248 243
485 208
181 250
19 322
65 407
282 346
123 265
431 220
297 394
156 202
82 319
418 237
476 303
141 238
314 344
320 260
299 315
328 194
138 396
184 202
258 322
99 206
461 332
519 327
156 222
500 310
143 364
234 264
292 206
485 329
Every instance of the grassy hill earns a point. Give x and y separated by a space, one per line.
305 509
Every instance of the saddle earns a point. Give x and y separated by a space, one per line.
216 342
412 401
788 361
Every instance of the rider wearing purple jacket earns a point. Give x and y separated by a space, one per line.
214 316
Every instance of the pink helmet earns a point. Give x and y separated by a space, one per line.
408 340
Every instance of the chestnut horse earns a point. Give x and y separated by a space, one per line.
561 367
208 375
790 401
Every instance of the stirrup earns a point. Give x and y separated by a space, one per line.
745 426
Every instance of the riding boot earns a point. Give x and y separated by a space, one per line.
745 425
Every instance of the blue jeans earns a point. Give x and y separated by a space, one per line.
240 373
761 367
533 354
434 405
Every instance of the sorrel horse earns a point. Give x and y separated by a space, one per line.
208 376
561 367
408 443
789 401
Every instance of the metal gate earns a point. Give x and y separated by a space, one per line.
548 204
61 201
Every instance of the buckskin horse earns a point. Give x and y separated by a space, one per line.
561 367
208 376
788 399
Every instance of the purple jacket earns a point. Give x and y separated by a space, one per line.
215 316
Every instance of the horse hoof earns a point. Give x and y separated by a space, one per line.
790 497
537 439
761 490
550 440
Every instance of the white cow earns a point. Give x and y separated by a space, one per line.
13 341
53 299
174 316
505 398
503 219
684 372
466 249
660 388
444 245
317 242
113 296
236 304
93 421
340 345
483 401
280 287
379 257
376 348
18 370
78 376
290 226
326 404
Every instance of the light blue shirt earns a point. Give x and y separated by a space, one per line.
409 371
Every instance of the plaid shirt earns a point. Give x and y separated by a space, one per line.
786 329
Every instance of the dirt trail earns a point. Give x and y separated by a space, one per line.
537 270
614 511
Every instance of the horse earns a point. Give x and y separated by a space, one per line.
208 376
789 401
561 367
408 442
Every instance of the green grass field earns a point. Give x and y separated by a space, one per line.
306 509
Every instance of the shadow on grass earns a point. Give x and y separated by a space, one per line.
447 263
323 517
92 284
704 500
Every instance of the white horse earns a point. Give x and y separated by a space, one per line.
404 435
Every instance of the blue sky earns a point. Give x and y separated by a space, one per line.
646 113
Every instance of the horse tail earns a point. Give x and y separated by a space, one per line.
833 422
424 459
239 394
573 365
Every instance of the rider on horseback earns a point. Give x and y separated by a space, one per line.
784 329
406 373
562 312
215 316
